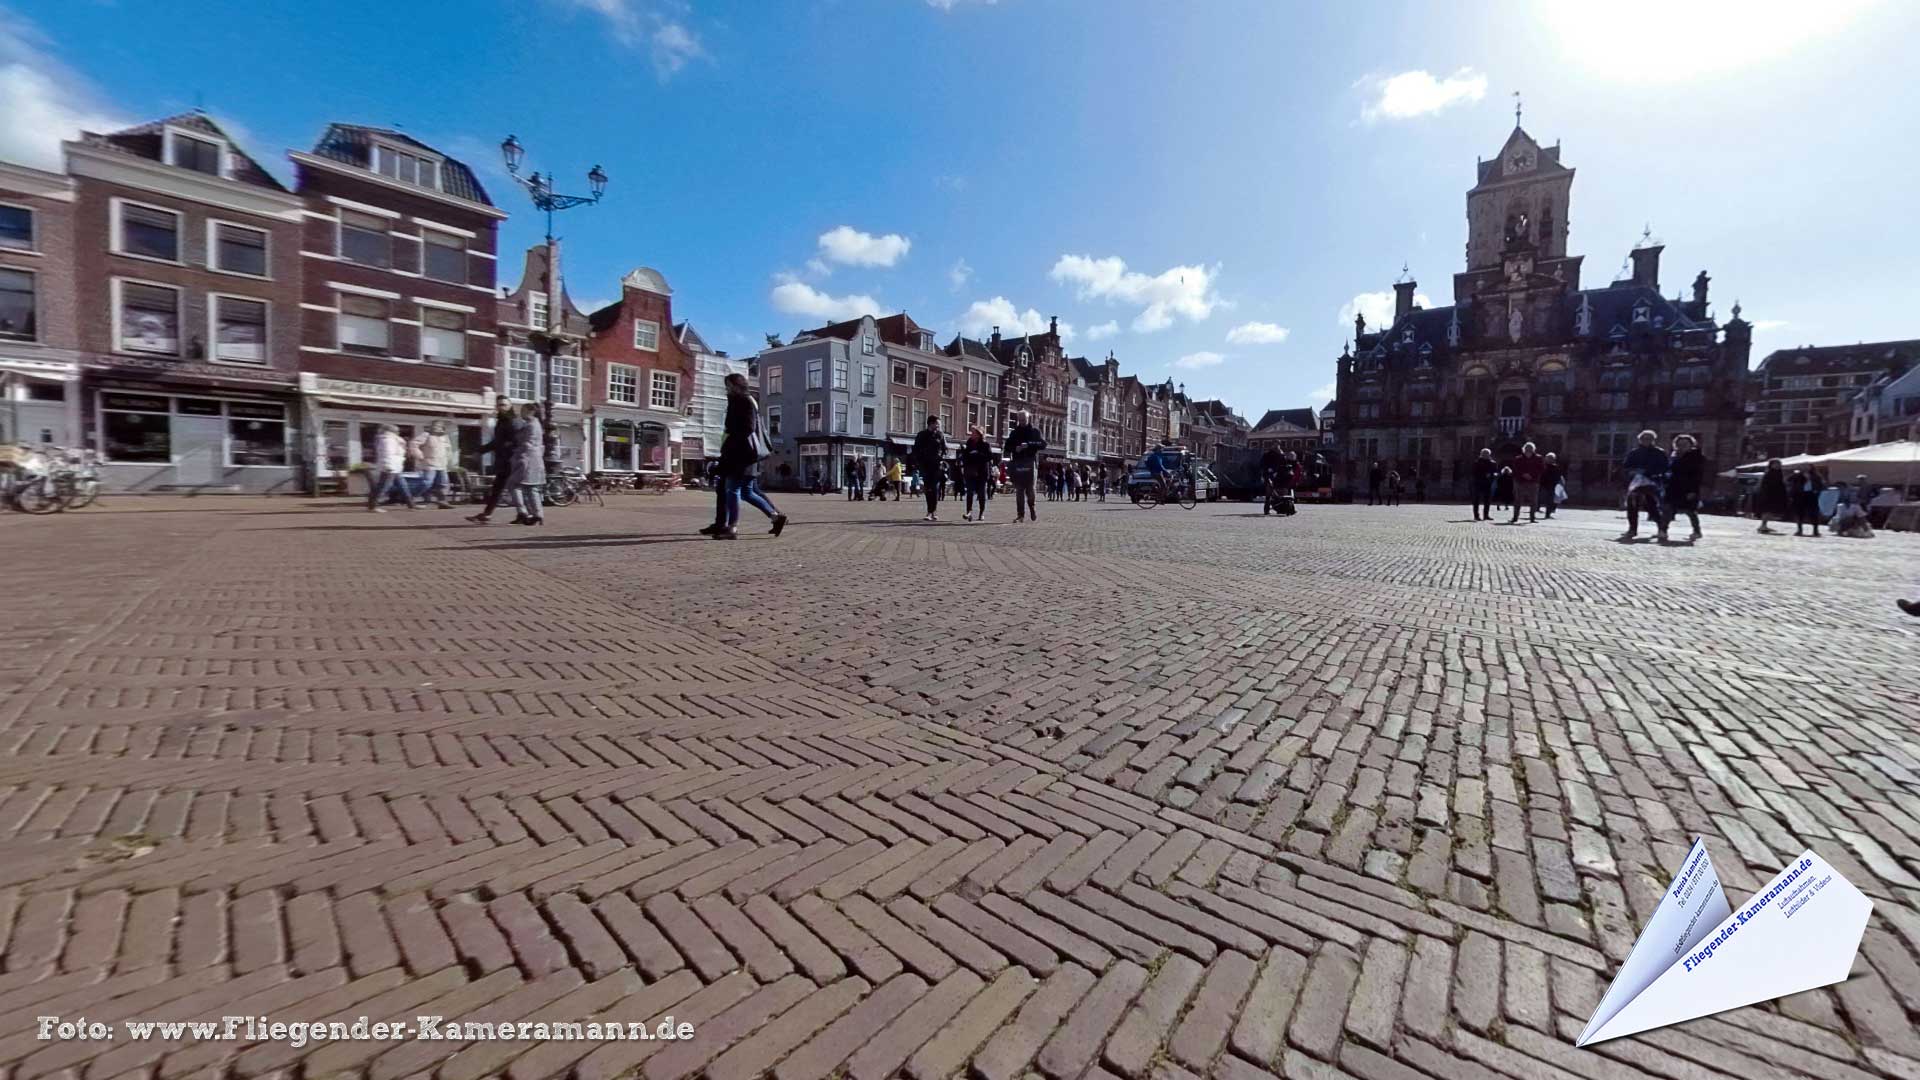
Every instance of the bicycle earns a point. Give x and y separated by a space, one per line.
1166 489
55 481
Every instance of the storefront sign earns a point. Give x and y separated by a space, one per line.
181 370
425 395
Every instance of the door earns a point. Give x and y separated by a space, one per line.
199 445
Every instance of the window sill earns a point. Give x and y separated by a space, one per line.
5 250
239 274
149 258
148 353
238 363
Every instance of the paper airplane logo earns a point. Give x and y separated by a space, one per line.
1698 956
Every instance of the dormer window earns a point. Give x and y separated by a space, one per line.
408 168
200 153
1641 312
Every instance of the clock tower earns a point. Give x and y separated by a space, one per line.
1517 219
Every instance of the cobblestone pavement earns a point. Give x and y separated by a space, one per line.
1370 793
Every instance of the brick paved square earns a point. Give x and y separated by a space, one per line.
1381 791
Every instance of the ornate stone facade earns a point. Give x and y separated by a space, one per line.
1525 354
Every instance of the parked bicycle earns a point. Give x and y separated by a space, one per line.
47 480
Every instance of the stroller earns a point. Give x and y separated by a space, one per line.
1279 495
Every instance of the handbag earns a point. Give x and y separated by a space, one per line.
757 442
1559 493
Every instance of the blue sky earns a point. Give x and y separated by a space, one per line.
1208 190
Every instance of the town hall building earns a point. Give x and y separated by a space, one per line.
1525 354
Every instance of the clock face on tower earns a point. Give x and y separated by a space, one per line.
1520 161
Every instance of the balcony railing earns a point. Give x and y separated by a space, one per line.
1511 425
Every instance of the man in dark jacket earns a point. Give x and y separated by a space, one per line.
501 447
1684 479
1649 462
1484 469
1528 469
1023 453
929 456
1550 478
976 464
1376 479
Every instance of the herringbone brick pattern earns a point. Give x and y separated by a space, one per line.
1362 793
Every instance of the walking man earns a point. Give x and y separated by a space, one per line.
500 445
1684 478
929 457
1023 453
1376 478
1646 468
1483 478
1550 477
432 450
1528 468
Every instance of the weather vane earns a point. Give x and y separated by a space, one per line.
1516 108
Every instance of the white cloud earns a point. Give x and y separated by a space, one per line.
640 23
949 5
1103 331
1257 333
1762 326
959 275
1183 290
1194 361
1323 394
1417 93
818 268
41 101
849 245
799 298
983 315
1377 307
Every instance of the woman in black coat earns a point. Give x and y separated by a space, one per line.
1805 485
1772 500
740 465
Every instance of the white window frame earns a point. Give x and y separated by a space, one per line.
653 390
841 417
776 380
340 313
840 372
557 380
773 422
116 231
213 248
539 311
466 320
866 345
213 330
170 134
623 369
869 379
33 228
816 416
867 419
426 243
179 315
439 165
35 275
652 330
532 358
340 240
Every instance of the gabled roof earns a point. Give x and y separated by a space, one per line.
148 141
352 144
899 329
533 276
968 347
1299 418
1546 158
1086 369
1838 357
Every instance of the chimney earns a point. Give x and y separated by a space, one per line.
1053 325
1646 265
1402 298
996 337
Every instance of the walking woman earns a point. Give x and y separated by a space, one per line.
529 480
740 454
976 464
1773 501
1684 479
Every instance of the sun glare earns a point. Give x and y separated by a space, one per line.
1678 40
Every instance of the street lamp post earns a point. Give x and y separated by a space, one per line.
549 337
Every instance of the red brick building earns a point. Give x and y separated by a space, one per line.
39 334
1133 418
640 380
398 305
1037 379
186 268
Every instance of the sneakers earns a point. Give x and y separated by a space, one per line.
968 516
1911 607
779 523
376 509
711 529
726 534
1695 535
477 519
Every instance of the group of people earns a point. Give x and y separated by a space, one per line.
1798 495
1075 482
975 468
1533 480
1385 485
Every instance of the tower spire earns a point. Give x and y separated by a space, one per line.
1516 108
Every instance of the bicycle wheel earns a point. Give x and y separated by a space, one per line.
83 495
1145 498
38 496
1186 497
562 493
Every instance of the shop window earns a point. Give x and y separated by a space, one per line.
446 256
239 330
256 434
136 429
334 434
17 306
363 325
239 250
149 318
443 336
616 445
363 239
149 232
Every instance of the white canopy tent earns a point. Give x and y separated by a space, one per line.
1882 463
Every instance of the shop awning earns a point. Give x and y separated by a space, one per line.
375 405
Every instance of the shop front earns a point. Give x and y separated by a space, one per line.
192 428
39 402
636 440
344 416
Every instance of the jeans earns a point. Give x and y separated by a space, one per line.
1023 496
933 497
1483 501
382 481
436 486
977 492
1655 514
737 487
497 490
527 498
